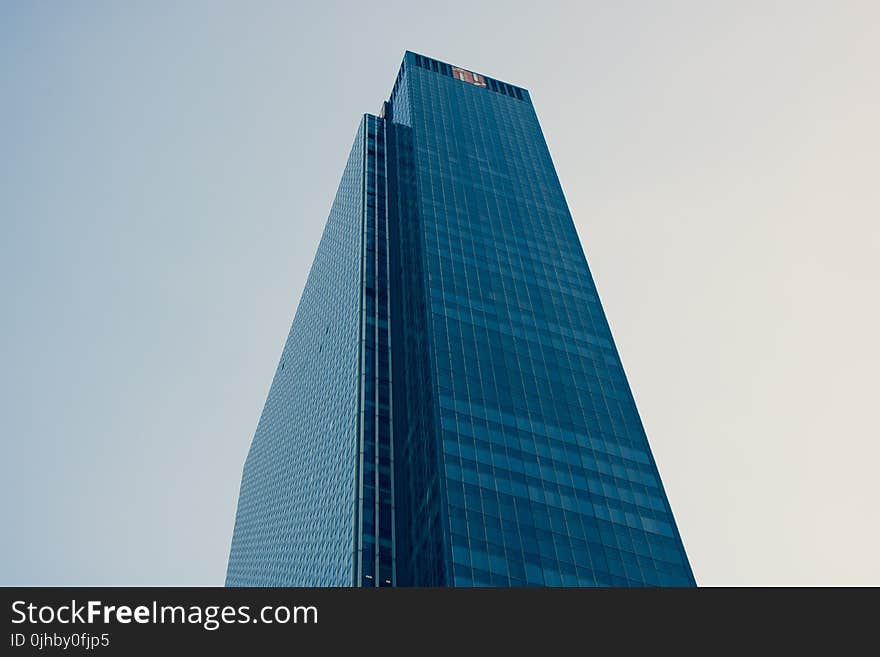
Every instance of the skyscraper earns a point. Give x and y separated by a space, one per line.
450 408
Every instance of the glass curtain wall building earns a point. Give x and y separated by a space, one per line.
450 408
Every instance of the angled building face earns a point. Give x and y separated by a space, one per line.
450 408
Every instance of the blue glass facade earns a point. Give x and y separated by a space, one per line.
492 438
295 519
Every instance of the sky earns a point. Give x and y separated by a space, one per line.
166 169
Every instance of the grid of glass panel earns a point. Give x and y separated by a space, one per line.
546 476
294 524
418 496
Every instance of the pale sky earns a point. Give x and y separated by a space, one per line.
167 169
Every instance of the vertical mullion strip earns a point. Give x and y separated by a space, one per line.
359 457
390 382
376 352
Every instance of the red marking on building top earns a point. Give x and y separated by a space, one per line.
468 76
